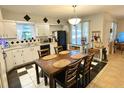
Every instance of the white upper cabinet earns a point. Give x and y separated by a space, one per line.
55 27
42 29
1 29
9 29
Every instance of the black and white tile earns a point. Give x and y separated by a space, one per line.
26 77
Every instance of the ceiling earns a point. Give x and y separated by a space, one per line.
65 11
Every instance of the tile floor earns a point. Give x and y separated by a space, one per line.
26 77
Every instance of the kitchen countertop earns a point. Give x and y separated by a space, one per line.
26 46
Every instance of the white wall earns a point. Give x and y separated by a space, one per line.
96 23
120 27
1 17
7 15
101 22
108 19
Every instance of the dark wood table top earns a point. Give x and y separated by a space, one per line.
47 65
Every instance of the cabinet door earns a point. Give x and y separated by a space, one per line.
42 29
3 72
35 52
10 29
18 57
9 60
1 29
27 55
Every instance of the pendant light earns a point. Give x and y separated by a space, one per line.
75 20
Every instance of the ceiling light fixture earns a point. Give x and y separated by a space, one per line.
74 20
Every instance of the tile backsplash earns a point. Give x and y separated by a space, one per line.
15 42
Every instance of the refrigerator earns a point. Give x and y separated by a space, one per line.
3 74
60 38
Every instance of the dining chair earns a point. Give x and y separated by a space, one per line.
42 53
58 49
69 77
85 69
92 50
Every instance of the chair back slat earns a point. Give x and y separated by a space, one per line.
43 52
87 63
58 49
72 73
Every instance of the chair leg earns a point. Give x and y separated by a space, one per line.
41 73
89 77
55 85
83 81
78 82
45 80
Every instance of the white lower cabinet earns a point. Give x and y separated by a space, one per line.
3 76
21 56
18 57
35 53
30 54
9 60
27 55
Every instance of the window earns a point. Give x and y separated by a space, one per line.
120 37
25 31
76 34
113 33
85 31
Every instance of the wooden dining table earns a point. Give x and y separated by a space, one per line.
49 69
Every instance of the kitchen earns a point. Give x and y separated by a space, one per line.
24 33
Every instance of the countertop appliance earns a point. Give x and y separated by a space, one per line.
3 75
4 43
60 37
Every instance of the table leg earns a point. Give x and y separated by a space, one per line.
52 82
37 74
